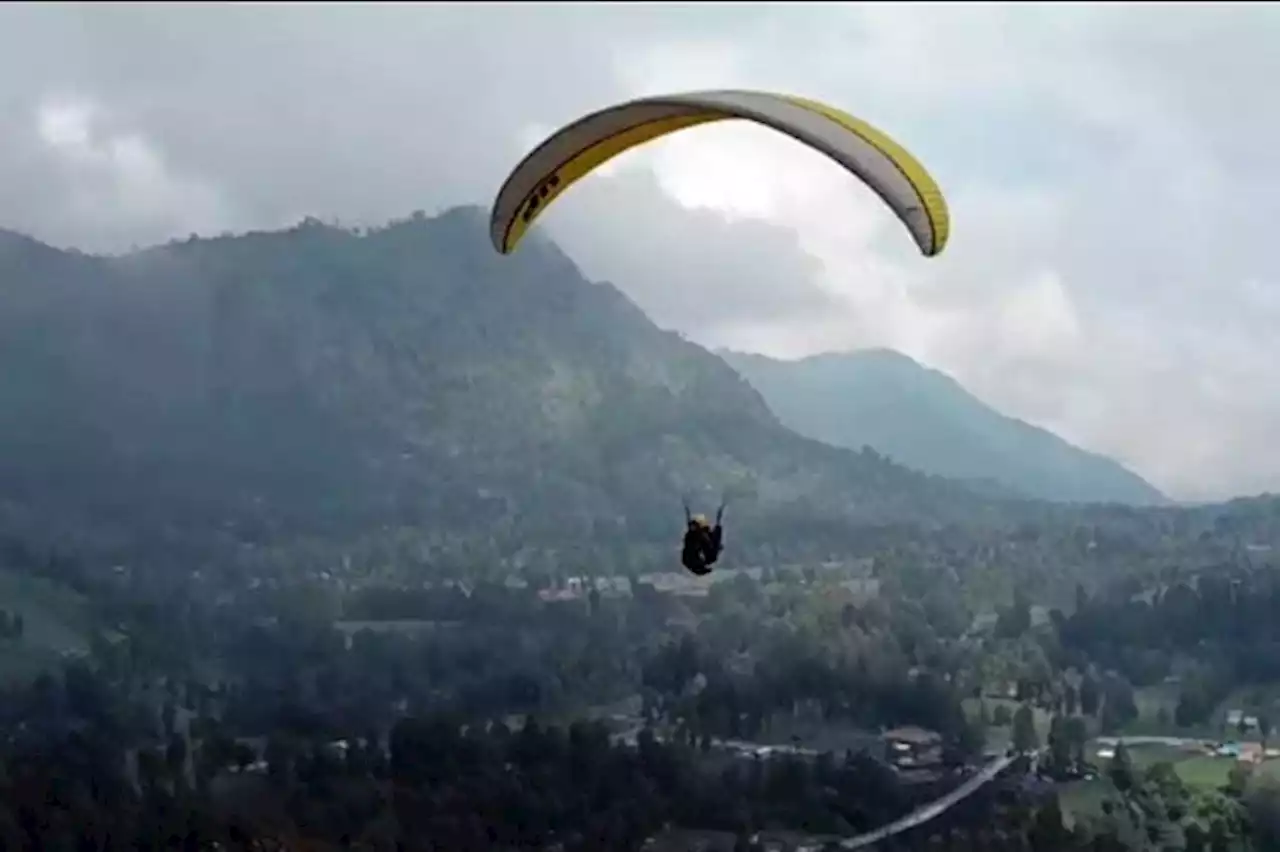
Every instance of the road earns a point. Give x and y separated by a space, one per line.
919 816
742 747
924 813
1175 742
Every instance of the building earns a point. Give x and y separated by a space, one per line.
913 747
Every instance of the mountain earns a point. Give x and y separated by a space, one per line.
406 393
926 420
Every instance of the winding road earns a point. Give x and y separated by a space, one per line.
990 771
923 813
919 816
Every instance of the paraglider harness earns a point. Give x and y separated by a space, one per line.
702 543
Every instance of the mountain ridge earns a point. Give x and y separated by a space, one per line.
403 383
927 420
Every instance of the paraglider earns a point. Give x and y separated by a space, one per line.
702 542
574 151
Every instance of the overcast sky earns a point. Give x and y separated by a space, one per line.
1112 171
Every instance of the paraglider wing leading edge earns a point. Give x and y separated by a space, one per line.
577 149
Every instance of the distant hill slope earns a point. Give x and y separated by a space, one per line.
404 386
926 420
57 623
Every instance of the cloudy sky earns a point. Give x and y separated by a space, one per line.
1112 173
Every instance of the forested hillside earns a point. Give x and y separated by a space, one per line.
235 470
926 420
325 383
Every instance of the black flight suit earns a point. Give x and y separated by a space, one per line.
702 547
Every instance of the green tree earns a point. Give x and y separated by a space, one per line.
1047 831
1061 753
1262 799
1121 769
1090 695
1238 778
1077 733
1025 738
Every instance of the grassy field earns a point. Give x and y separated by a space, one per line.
1156 712
820 736
402 625
1149 754
1156 706
1153 701
1203 772
56 622
1252 700
1197 770
1083 799
1000 737
1159 702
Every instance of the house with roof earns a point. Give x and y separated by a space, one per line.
913 746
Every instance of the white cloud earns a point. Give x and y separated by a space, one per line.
118 176
1100 291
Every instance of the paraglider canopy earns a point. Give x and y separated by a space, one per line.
577 149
